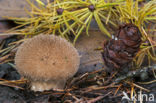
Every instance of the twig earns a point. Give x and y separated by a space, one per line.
4 58
77 80
92 88
77 100
12 83
139 87
117 89
134 73
147 82
98 98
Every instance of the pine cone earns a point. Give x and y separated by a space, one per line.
120 50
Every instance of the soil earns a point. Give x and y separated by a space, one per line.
15 95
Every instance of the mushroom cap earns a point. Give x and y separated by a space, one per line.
47 58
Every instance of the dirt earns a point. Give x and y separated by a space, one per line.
15 95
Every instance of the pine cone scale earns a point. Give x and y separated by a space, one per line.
109 62
116 57
116 45
126 56
130 43
132 33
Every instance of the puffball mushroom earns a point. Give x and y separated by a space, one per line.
47 61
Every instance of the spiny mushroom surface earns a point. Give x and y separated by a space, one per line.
47 61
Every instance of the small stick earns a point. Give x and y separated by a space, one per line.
98 98
134 73
139 87
117 89
150 82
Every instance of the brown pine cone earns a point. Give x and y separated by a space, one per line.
120 50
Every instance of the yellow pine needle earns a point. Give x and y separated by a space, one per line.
40 2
